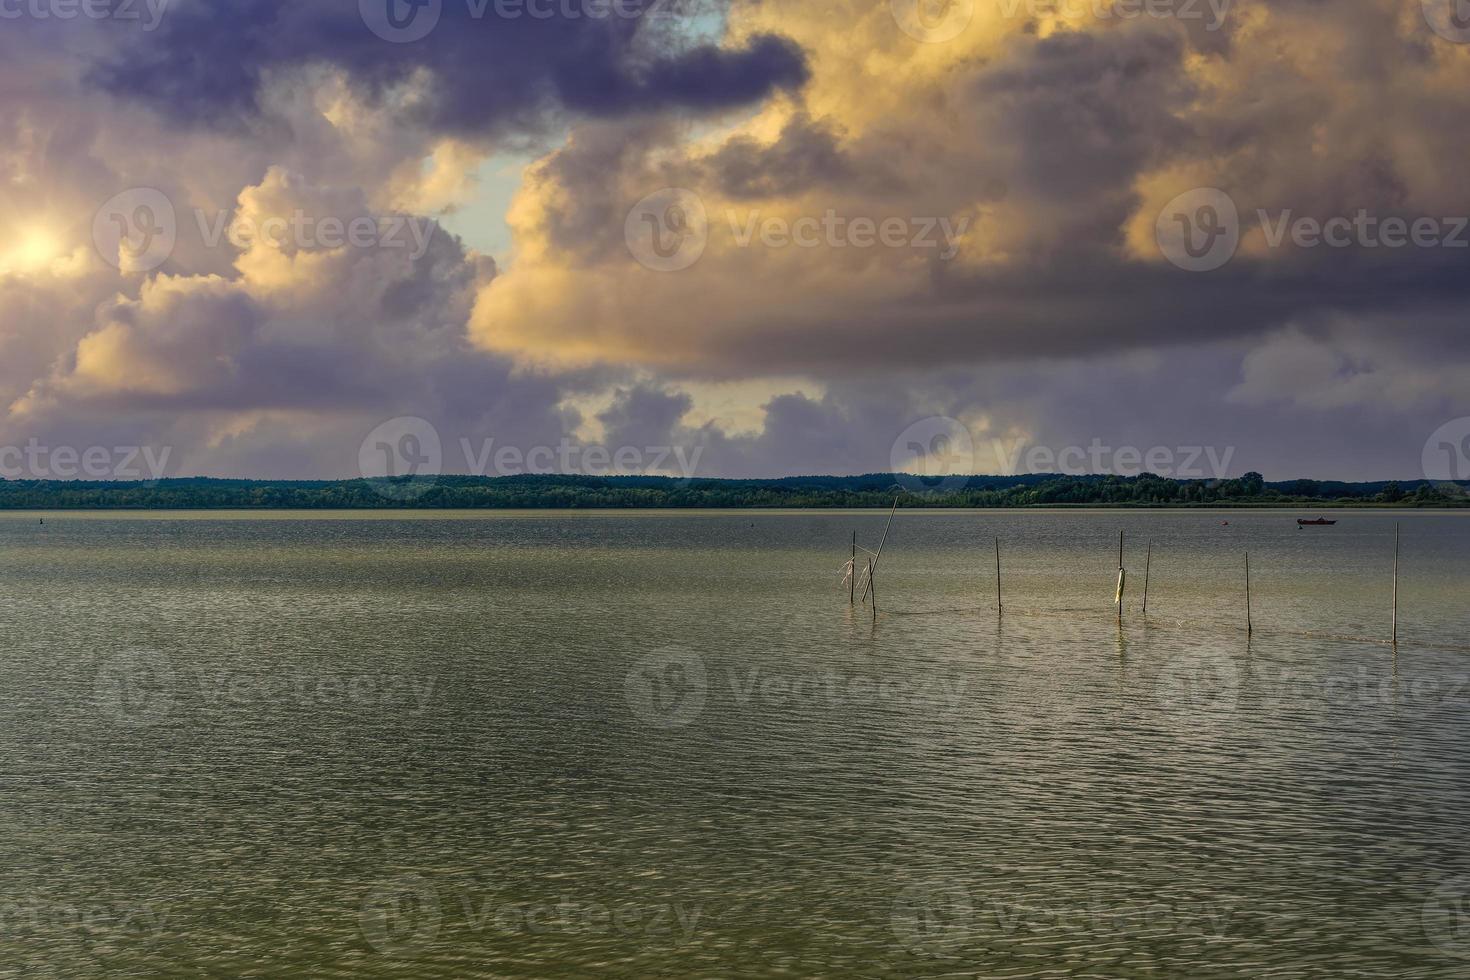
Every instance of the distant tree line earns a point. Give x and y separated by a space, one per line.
586 492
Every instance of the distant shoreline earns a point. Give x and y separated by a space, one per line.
816 493
1299 510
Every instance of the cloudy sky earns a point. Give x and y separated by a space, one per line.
273 236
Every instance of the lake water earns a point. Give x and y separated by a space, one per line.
522 745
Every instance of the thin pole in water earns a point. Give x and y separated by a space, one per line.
1122 578
1147 564
999 605
1396 585
852 578
881 543
874 587
1249 624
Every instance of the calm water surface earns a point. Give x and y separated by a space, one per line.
665 745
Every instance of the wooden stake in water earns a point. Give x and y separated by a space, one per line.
1147 564
999 605
1122 581
881 543
1249 624
852 579
1122 578
873 587
1396 585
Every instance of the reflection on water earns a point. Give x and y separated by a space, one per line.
636 745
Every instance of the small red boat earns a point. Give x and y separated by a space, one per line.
1319 522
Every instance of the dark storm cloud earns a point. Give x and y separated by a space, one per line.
643 416
206 63
1084 114
704 78
806 155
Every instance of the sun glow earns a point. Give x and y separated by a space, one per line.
35 251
